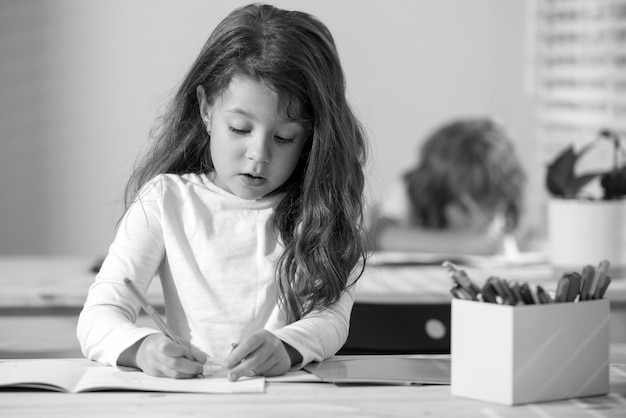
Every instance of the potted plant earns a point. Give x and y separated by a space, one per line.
585 229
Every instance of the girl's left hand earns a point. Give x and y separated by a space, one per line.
262 353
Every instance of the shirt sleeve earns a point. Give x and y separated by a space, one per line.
106 325
320 334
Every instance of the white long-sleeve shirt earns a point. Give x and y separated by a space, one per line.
215 255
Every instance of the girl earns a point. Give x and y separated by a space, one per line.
248 206
464 196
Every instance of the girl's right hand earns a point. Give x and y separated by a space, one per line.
158 355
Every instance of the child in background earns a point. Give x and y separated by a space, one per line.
463 197
248 206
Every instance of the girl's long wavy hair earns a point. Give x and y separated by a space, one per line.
320 220
473 156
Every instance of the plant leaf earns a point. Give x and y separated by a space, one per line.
561 179
614 183
561 172
580 182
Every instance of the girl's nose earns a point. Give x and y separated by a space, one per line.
259 149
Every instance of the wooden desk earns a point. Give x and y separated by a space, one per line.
41 296
314 400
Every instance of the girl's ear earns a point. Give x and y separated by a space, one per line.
205 108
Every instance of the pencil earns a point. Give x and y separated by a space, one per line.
153 314
209 368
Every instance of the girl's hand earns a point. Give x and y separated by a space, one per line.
157 355
262 353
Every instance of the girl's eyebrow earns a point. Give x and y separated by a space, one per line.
250 115
242 112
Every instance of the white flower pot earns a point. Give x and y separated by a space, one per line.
587 231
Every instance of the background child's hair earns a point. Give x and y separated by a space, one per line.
320 219
469 156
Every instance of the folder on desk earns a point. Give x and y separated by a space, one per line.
384 370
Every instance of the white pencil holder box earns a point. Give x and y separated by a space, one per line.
529 353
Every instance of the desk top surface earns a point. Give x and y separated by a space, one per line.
313 400
63 281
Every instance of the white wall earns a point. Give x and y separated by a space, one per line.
81 82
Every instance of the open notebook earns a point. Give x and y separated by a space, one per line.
383 370
76 376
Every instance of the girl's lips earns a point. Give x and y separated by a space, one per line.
251 180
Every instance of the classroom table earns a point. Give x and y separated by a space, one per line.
41 296
313 400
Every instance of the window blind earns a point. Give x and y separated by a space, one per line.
578 63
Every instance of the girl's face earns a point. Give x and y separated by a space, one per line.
254 148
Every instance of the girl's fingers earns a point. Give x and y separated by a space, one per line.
243 350
182 362
249 365
187 368
261 368
180 368
269 359
173 349
198 355
159 356
269 367
275 365
246 362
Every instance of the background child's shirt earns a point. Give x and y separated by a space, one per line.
215 255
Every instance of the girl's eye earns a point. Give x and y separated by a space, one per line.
279 139
284 140
239 131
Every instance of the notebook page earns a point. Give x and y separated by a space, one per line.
110 378
49 374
